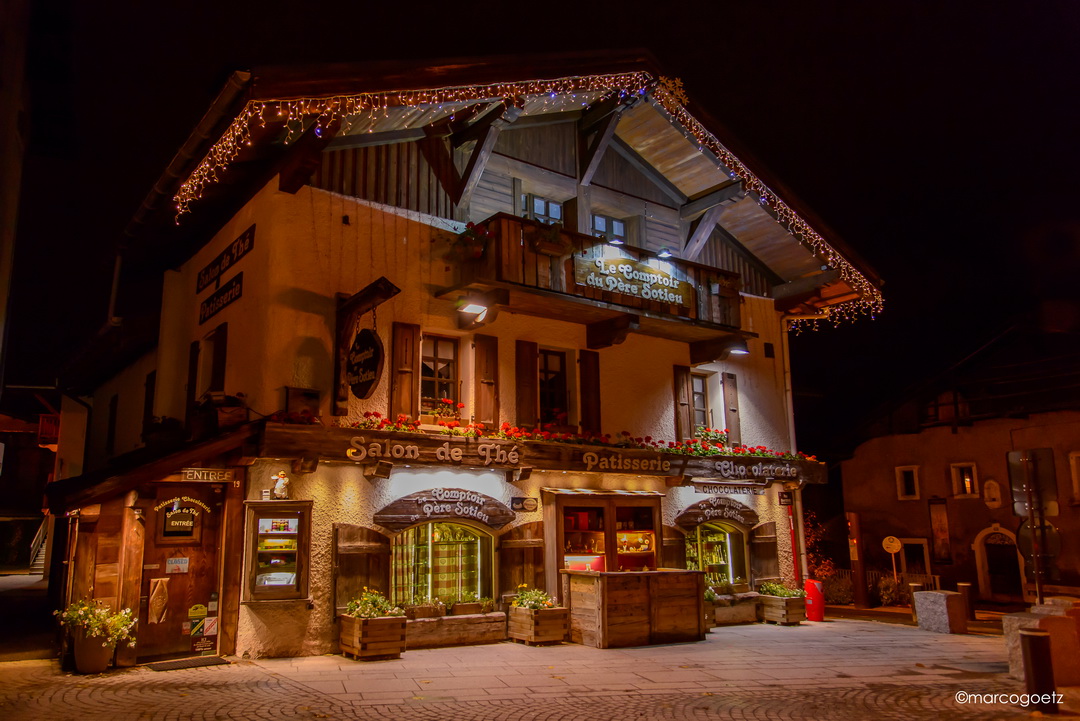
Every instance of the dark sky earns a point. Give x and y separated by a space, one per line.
930 136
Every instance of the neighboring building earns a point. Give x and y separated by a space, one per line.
322 266
935 472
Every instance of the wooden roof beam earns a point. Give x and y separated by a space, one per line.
717 195
806 284
485 143
606 333
700 230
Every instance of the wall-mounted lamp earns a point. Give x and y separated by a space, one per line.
381 469
664 253
477 309
523 473
738 347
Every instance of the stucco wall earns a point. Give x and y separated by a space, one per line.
129 387
870 486
341 494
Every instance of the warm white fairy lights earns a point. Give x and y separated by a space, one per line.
415 108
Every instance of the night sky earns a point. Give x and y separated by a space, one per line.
937 139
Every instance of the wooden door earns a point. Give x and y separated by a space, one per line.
178 608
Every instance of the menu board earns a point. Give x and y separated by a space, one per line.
275 552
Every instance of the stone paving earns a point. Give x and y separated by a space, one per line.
843 669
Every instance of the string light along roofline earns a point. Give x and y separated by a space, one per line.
299 114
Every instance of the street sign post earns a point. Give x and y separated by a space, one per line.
892 545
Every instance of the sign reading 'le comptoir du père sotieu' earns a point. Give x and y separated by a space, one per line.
634 279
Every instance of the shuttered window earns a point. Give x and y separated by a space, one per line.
526 364
487 380
361 559
684 410
764 560
404 376
589 388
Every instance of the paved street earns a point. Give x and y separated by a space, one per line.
841 669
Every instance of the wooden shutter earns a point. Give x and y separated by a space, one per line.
589 387
673 554
192 382
731 409
405 373
527 381
684 408
361 558
521 557
764 560
220 348
487 380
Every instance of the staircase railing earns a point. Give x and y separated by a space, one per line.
39 539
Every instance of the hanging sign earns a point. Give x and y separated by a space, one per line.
365 363
717 508
625 276
440 504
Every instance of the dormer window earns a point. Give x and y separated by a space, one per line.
536 207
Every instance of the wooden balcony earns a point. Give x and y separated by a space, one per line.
555 273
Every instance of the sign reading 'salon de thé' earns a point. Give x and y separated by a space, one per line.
633 278
212 271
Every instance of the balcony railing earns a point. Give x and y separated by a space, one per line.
532 255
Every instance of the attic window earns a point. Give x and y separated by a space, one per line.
542 209
610 229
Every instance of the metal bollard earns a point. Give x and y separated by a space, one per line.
969 603
912 589
1038 668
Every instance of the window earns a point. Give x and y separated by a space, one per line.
699 395
438 370
212 357
719 550
907 483
610 229
965 482
542 209
553 387
441 560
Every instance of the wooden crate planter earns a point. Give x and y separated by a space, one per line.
542 625
784 611
368 639
414 612
455 630
466 609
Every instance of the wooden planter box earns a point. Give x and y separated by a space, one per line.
710 615
466 609
542 625
367 639
784 611
414 612
455 630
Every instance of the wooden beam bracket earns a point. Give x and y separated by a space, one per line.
606 333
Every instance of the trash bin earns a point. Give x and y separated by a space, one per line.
815 601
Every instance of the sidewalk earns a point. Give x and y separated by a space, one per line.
986 622
835 670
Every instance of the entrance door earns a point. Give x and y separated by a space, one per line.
178 609
1003 567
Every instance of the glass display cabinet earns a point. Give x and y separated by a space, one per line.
441 560
606 531
279 541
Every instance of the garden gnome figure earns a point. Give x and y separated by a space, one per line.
281 486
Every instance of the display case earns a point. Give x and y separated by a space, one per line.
279 540
718 551
607 532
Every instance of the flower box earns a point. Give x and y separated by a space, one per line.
414 612
368 639
541 625
466 609
786 611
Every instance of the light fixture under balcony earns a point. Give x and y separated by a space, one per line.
664 253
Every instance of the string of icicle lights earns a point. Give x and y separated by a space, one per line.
299 114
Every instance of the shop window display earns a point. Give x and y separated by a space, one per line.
441 560
719 550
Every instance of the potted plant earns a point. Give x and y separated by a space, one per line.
469 245
710 608
420 607
466 604
372 627
535 617
782 605
95 630
548 239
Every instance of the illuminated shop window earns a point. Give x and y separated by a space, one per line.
441 560
438 370
719 550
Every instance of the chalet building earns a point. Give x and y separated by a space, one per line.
552 258
942 471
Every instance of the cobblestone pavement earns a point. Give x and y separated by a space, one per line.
838 670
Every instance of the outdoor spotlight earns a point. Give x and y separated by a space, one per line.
473 307
615 241
664 253
739 347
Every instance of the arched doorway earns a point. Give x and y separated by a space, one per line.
441 559
999 565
